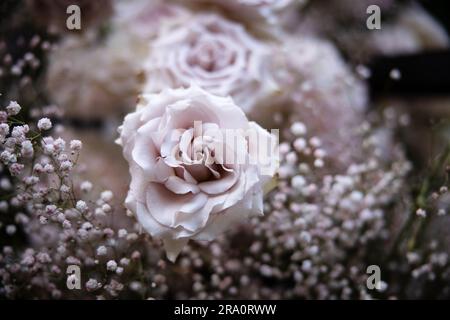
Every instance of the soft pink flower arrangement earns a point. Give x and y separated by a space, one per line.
196 86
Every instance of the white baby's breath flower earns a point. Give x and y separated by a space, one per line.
4 129
106 208
48 168
99 212
395 74
111 265
101 251
66 165
27 150
421 213
59 145
107 196
3 206
124 262
44 124
81 206
92 285
13 108
298 129
86 186
11 229
119 270
66 224
76 145
122 233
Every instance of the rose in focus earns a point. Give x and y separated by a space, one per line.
197 165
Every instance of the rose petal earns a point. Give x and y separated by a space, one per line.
219 186
173 247
175 200
180 186
163 204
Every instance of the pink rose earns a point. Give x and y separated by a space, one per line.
216 54
189 179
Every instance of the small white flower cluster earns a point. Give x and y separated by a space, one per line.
13 108
44 124
63 227
14 143
316 241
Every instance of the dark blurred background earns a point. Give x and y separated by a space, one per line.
440 9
